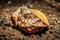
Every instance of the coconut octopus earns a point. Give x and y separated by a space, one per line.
29 20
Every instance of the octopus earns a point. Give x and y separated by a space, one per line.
29 20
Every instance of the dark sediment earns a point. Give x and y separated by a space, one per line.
49 8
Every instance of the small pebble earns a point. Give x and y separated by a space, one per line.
7 24
9 2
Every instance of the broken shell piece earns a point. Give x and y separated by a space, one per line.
40 15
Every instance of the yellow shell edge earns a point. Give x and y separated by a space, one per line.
40 15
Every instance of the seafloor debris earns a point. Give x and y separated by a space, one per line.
51 8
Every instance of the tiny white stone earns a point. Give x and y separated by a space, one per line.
9 2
